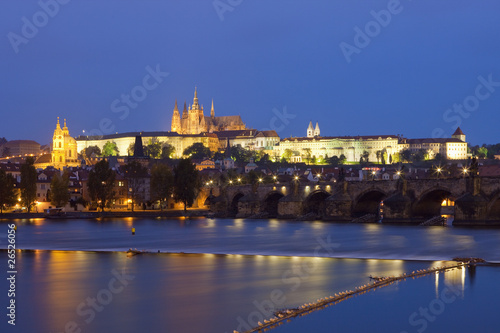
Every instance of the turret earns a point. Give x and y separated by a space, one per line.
459 134
310 130
176 120
184 111
316 130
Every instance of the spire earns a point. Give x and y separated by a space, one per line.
58 126
184 112
212 112
65 127
175 107
195 99
310 130
316 130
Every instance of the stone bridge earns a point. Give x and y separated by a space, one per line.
470 200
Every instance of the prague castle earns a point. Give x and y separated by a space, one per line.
193 120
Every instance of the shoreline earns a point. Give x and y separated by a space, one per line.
106 214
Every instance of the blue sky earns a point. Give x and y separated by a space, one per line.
279 64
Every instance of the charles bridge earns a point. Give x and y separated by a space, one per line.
471 200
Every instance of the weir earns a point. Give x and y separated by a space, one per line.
307 308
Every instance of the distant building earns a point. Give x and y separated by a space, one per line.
377 146
193 120
20 147
125 140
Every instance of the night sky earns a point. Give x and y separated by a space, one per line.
357 67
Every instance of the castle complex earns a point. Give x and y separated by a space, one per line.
193 120
354 147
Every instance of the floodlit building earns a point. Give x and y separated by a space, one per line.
378 147
63 150
124 141
194 121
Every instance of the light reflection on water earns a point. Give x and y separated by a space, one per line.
178 293
267 237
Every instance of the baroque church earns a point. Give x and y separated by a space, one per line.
63 150
193 120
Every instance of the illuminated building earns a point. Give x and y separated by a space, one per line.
193 120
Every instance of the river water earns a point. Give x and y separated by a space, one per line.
228 274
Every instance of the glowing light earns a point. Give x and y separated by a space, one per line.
239 179
296 177
260 180
230 182
274 177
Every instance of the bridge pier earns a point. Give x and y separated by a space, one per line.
338 207
290 206
397 208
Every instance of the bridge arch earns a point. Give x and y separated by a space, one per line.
315 202
233 207
368 202
270 203
494 206
430 201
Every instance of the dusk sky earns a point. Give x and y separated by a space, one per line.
356 67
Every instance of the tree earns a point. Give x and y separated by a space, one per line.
59 194
186 182
28 183
405 155
287 154
167 150
482 152
110 149
153 149
7 192
197 151
6 152
342 159
334 160
91 150
307 154
364 158
240 154
135 173
130 149
418 156
101 184
379 155
162 182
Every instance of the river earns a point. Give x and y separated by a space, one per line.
228 274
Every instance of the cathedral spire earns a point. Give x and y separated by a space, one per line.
195 100
185 111
175 107
212 112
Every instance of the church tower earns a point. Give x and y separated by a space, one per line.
310 130
459 134
212 112
58 156
63 147
176 120
316 130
